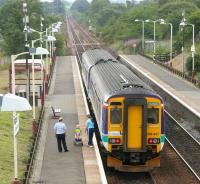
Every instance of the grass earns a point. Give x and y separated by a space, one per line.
6 144
24 137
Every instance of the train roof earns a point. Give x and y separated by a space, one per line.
93 56
112 76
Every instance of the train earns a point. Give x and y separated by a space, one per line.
129 114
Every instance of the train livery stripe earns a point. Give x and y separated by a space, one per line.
104 137
162 140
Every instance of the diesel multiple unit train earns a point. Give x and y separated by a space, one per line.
129 114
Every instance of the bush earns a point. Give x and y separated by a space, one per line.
162 50
60 45
196 64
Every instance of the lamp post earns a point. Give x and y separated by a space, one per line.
26 21
154 34
192 51
33 83
40 34
162 21
183 24
13 57
183 62
137 20
53 28
37 51
47 68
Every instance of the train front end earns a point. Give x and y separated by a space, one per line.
135 132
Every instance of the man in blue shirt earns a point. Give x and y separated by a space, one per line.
90 130
60 132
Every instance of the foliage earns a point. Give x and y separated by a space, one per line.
60 45
196 63
115 23
80 5
162 50
198 76
167 12
56 7
194 19
2 2
11 25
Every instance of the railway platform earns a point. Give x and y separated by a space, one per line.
179 89
81 164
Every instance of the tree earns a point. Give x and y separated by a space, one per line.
194 19
172 12
80 5
196 64
11 25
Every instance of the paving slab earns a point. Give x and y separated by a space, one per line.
79 165
65 167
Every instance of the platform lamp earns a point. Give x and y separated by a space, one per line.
50 29
137 20
26 21
33 52
192 51
13 58
154 34
182 25
162 21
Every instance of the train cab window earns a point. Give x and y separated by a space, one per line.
115 115
115 103
152 115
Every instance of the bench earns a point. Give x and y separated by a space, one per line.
56 112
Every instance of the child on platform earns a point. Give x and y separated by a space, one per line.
78 139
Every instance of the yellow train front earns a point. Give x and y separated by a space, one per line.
129 113
135 136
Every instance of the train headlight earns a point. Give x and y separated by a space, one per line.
114 140
153 141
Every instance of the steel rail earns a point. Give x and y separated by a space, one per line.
154 181
86 33
182 127
183 159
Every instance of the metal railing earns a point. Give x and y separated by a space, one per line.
175 71
32 154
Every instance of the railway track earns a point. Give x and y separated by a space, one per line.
185 144
116 177
174 169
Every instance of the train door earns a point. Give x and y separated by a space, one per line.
135 125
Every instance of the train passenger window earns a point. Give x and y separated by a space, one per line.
152 115
115 115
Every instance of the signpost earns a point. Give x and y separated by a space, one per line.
16 124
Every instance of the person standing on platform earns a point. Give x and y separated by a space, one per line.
60 132
90 130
